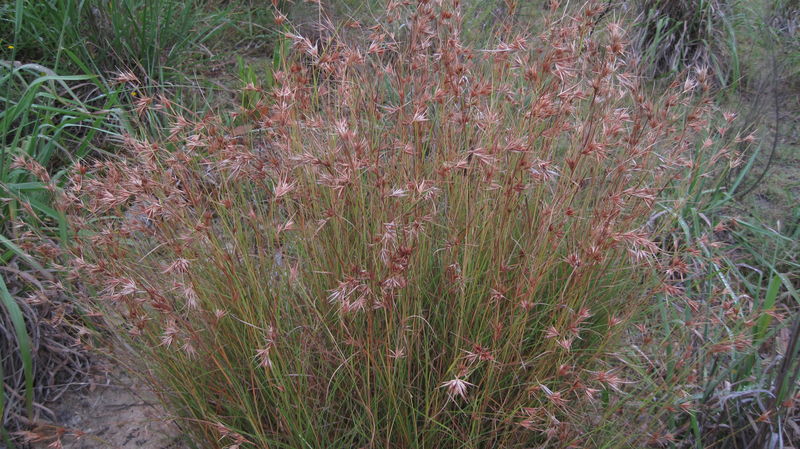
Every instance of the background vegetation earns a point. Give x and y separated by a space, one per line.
717 362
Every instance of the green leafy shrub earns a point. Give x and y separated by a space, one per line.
404 243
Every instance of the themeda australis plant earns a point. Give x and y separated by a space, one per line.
405 243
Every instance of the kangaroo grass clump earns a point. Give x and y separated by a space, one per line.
407 242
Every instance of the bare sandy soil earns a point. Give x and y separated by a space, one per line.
119 412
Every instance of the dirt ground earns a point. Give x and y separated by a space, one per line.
118 412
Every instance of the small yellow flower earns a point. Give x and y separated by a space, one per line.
10 47
133 93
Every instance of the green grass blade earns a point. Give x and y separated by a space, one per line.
23 341
769 302
3 432
18 251
18 19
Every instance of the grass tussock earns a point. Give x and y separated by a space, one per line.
672 35
407 242
156 39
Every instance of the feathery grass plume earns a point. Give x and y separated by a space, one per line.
407 242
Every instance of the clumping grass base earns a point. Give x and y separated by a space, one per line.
407 242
